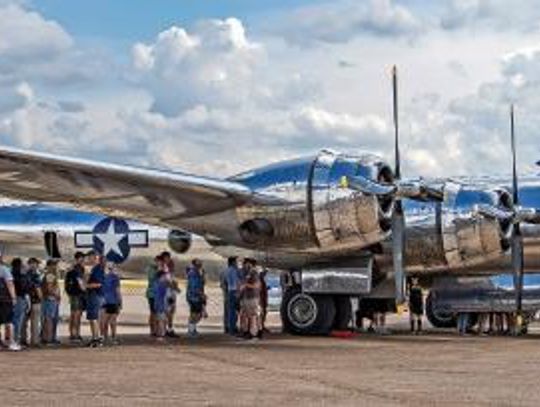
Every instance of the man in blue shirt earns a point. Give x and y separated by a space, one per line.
195 295
231 282
94 289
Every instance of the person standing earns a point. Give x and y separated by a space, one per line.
463 323
151 278
161 287
231 284
51 302
250 296
264 299
195 295
225 296
36 297
22 283
7 303
76 291
172 293
113 303
94 289
416 306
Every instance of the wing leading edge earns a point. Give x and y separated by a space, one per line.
149 195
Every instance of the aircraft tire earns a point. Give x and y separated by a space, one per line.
439 320
343 313
306 314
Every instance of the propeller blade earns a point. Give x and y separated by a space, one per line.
494 212
517 267
517 240
515 190
397 169
398 245
398 217
369 187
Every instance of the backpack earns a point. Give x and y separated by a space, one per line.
71 284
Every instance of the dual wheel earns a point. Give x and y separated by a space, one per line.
314 314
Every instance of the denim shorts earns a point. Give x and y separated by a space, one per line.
49 308
93 306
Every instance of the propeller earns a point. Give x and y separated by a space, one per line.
517 239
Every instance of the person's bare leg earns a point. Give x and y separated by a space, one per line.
113 322
105 326
78 316
94 328
102 325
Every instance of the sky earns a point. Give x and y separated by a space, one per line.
216 88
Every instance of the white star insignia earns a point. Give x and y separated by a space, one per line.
110 240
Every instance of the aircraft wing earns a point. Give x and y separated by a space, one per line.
148 195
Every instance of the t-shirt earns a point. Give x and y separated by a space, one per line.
50 285
35 278
163 281
73 279
97 276
195 285
5 273
416 302
151 274
110 289
22 282
252 287
232 278
5 276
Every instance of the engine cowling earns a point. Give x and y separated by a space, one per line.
344 218
468 237
179 241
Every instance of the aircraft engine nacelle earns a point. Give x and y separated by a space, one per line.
179 241
344 218
317 209
470 238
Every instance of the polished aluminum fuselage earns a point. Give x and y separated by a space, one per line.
310 218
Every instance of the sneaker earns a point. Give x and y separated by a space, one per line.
171 334
14 347
95 343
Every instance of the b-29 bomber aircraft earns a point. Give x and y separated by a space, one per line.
344 226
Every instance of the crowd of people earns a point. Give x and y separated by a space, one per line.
245 299
30 301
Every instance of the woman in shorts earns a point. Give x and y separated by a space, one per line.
112 303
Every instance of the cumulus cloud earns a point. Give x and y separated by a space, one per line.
27 35
343 20
211 66
498 14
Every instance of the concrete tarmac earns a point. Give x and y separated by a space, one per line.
437 368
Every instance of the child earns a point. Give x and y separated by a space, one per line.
113 303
